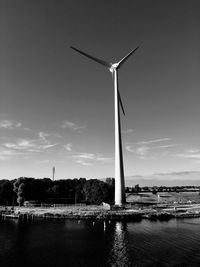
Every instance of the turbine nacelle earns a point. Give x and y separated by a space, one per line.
114 67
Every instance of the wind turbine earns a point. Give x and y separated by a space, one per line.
120 197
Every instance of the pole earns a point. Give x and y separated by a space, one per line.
120 197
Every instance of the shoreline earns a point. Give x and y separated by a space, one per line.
100 213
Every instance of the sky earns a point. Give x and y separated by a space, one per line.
57 107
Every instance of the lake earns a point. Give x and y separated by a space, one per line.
86 243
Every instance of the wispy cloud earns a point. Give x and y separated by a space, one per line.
88 159
12 125
190 154
178 173
84 155
72 125
22 144
6 154
153 141
176 178
168 146
83 162
127 131
13 146
44 141
68 147
150 148
25 146
28 145
140 151
193 151
43 136
8 124
48 146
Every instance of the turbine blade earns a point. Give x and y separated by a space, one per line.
121 62
120 101
100 61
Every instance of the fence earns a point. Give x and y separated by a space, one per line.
47 205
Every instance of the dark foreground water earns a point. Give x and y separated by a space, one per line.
84 243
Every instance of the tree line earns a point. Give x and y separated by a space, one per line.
66 191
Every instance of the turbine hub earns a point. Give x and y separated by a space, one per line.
114 67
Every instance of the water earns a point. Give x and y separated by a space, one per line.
86 243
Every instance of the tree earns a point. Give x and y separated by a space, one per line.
154 191
111 187
6 192
20 194
61 191
19 187
96 191
146 188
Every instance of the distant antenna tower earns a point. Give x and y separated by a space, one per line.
53 173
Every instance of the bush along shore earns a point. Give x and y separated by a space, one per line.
101 213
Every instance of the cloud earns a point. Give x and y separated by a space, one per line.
88 159
84 163
190 154
68 147
167 146
22 144
141 151
12 125
44 142
150 148
84 156
28 145
24 147
176 178
49 146
178 173
127 131
43 136
72 125
153 141
8 124
103 159
85 159
193 150
6 154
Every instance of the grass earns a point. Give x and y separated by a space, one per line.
164 197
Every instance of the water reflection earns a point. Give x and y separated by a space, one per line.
119 254
85 243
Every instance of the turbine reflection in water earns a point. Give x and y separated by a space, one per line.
119 255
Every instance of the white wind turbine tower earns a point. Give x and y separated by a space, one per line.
120 197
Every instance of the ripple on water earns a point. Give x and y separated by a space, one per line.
73 243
